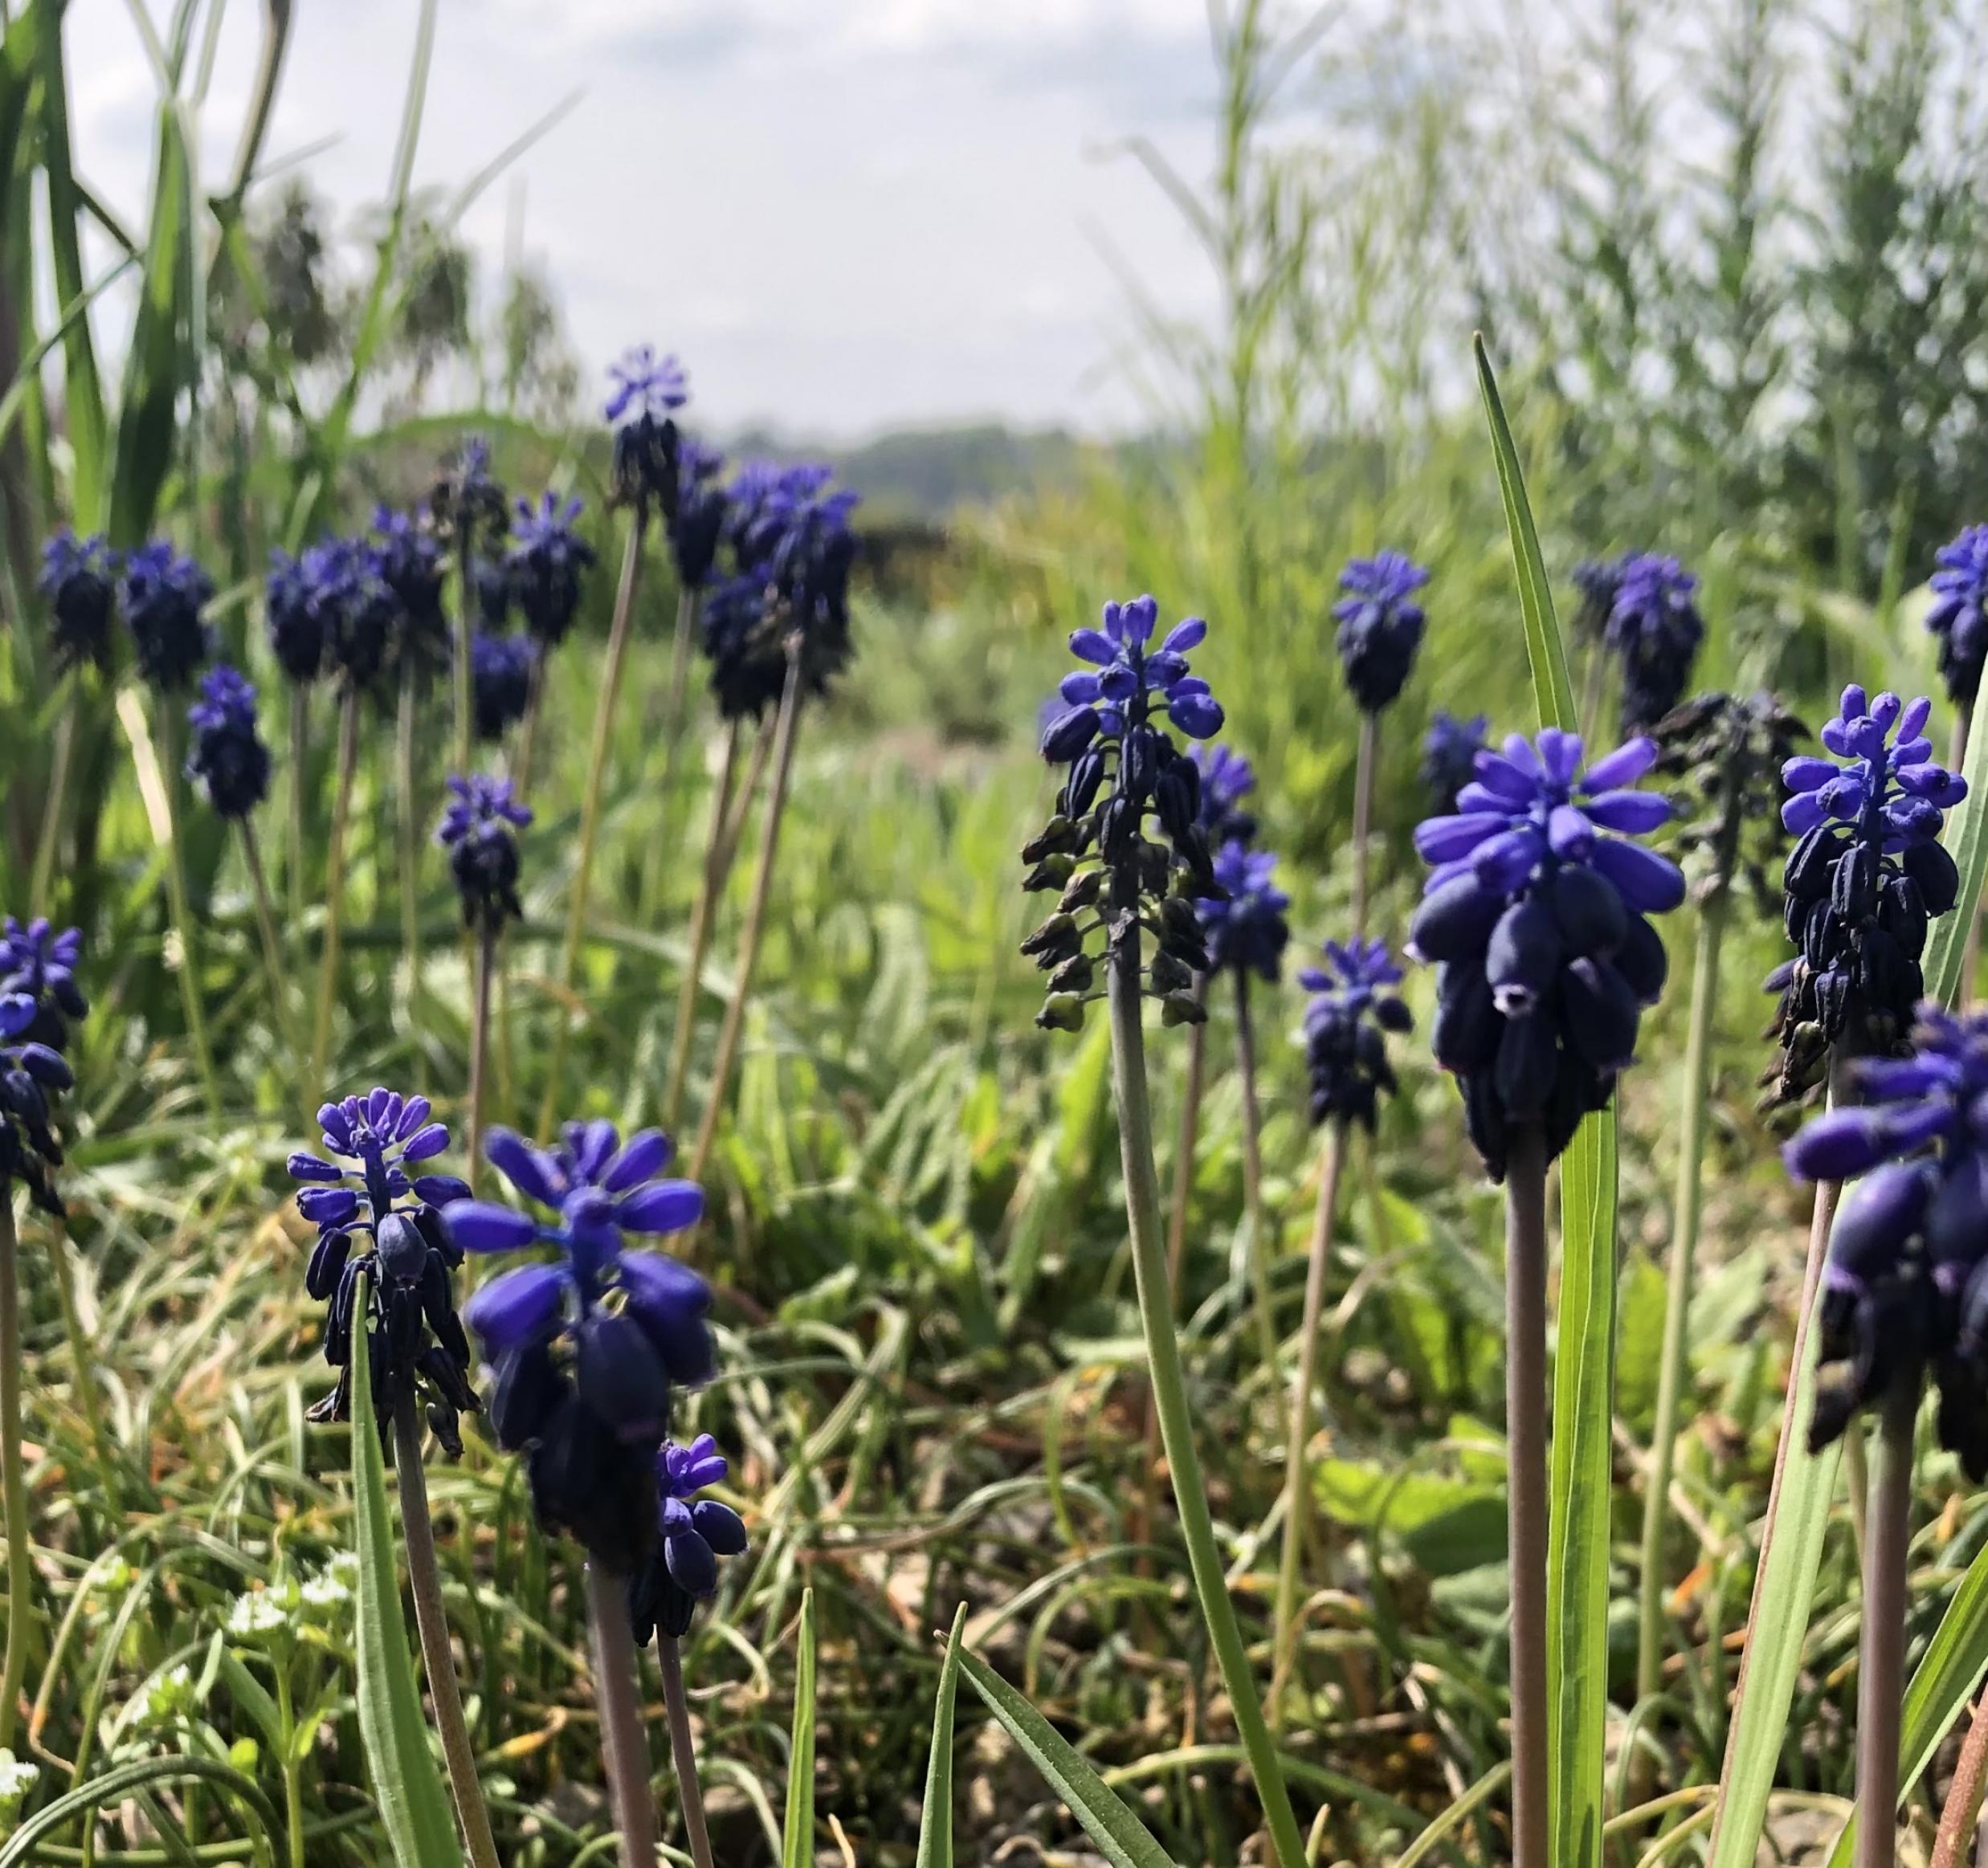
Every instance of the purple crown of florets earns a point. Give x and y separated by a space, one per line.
647 387
1244 926
1128 674
1226 779
1959 615
1380 625
1896 791
78 578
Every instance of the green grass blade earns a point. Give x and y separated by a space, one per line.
935 1827
114 1786
158 365
1941 1691
1584 1368
1967 842
1124 1841
406 1782
82 385
796 1843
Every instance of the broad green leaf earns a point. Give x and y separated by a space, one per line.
1124 1840
126 1781
797 1845
935 1826
1447 1523
1941 1689
1584 1368
407 1785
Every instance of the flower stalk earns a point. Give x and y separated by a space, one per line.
784 733
188 969
1673 1369
424 1580
717 865
13 1479
1169 1390
683 1750
1961 1814
590 799
335 881
406 753
1363 816
480 1052
1297 1500
1259 1246
299 754
55 811
1525 1439
1881 1663
625 1751
464 668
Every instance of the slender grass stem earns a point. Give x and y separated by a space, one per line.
1184 1145
272 954
527 732
704 912
405 749
84 1362
189 969
1260 1245
683 1751
1363 817
13 1479
55 811
1970 951
1169 1390
424 1580
1525 1438
1961 1814
675 708
1673 1369
480 1051
300 753
292 1765
784 735
590 799
1297 1494
1881 1662
625 1750
335 884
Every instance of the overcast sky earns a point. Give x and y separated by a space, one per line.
843 214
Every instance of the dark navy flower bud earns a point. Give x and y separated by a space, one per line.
1960 587
479 831
1651 627
78 579
1354 1004
228 756
1449 757
1380 625
164 596
546 564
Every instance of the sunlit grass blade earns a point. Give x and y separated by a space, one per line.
1584 1372
413 1804
1108 1820
1967 840
797 1845
935 1826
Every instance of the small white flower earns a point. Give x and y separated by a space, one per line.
262 1611
17 1778
329 1588
167 1696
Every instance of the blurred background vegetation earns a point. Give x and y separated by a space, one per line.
1729 256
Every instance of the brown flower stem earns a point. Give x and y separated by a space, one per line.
1961 1814
1253 1178
272 956
1363 818
624 1747
480 1051
300 753
405 749
703 911
1881 1662
784 733
683 1750
1297 1500
1525 1439
424 1581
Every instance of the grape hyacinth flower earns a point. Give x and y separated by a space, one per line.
355 611
586 1384
1380 625
1905 1283
228 756
162 594
647 392
1123 768
1723 755
78 579
1449 755
1226 779
467 505
382 1216
1654 630
501 668
38 964
1960 596
693 1533
298 619
1352 1009
698 524
408 558
479 830
544 565
1243 925
1536 915
1864 878
31 1072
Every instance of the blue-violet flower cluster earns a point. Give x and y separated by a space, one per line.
1537 912
1352 1008
1865 877
479 829
642 406
693 1533
544 566
1643 606
1449 755
589 1351
500 681
78 579
163 594
227 755
1905 1283
1243 924
1959 615
379 1221
1227 778
39 998
1380 625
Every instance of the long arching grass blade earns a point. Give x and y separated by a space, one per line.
797 1845
935 1826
